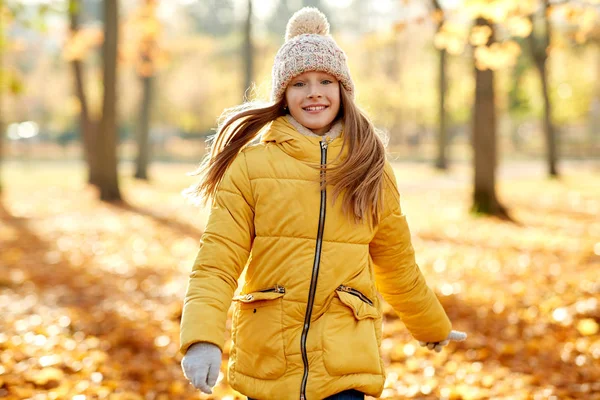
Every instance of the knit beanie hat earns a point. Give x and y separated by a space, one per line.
308 47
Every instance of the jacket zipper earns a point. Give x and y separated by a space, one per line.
315 273
276 289
355 293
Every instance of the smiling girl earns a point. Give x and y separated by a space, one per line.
312 210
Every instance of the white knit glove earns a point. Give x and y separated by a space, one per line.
455 336
201 364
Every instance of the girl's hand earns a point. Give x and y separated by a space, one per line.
455 336
201 365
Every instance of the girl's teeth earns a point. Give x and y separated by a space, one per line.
314 108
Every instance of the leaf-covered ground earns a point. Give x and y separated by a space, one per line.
90 293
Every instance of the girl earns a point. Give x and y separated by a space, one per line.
313 211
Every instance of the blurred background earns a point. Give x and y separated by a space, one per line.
492 110
180 63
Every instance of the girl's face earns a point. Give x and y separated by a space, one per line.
313 99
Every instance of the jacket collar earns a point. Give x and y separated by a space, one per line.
334 132
302 147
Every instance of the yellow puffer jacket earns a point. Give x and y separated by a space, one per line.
308 322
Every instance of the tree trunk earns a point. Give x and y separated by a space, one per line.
108 182
2 77
393 65
539 51
147 47
594 116
517 103
485 200
248 51
442 161
549 128
143 129
87 127
1 142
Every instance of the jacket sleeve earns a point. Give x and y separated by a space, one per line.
224 250
397 274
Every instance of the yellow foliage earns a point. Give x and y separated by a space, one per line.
150 28
399 27
440 40
590 19
580 37
81 42
497 56
6 15
126 396
494 11
141 47
437 16
588 327
107 327
145 69
519 26
451 36
455 46
480 35
45 377
525 7
73 105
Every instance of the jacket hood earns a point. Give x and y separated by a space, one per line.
306 148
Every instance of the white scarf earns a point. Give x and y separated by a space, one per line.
334 131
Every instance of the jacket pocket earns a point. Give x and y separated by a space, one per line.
258 334
349 338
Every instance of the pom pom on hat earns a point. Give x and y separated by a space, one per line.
308 20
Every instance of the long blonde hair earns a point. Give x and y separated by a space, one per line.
359 176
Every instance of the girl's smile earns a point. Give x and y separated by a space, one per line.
315 109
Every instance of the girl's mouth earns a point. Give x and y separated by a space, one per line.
314 109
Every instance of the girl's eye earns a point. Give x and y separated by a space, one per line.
299 84
326 82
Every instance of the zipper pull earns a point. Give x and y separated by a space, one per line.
324 144
279 289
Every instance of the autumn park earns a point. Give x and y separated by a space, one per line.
491 112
